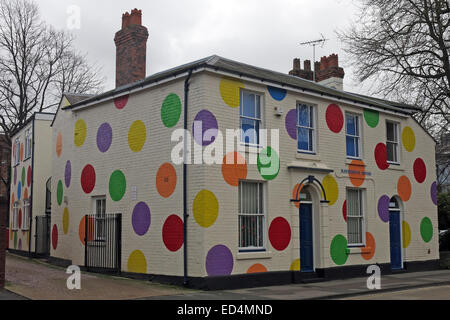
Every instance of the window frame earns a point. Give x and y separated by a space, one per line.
16 152
312 110
26 215
396 143
15 217
358 137
362 217
99 220
263 215
241 116
28 144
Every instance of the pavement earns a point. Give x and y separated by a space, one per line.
37 280
328 290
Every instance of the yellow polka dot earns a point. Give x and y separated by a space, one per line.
80 133
295 266
137 136
66 221
406 234
206 208
331 188
230 91
137 263
409 139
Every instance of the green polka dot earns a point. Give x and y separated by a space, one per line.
15 240
59 192
269 164
426 230
171 110
23 176
117 185
372 118
338 250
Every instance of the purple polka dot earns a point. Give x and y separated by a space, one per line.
383 208
68 174
15 175
20 244
219 261
141 218
434 193
104 137
205 128
291 124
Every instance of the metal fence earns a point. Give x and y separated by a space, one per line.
103 243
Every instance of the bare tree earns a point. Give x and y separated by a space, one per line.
402 48
37 64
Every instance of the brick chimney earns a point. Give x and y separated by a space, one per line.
131 49
327 71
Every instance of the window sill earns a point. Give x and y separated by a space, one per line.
349 161
358 249
396 167
307 156
253 255
251 148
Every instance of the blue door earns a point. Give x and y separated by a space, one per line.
396 242
306 238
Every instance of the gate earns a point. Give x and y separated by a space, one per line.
42 236
103 243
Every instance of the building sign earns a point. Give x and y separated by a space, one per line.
359 172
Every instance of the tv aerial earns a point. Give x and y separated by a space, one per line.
314 44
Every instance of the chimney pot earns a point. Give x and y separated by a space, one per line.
307 65
296 64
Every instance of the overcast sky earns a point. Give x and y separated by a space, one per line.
263 33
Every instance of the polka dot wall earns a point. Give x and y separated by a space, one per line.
121 150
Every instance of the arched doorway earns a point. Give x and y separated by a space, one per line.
309 195
395 233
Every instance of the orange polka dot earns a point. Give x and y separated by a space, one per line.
404 188
356 169
368 252
166 180
296 193
59 145
13 199
82 230
257 268
234 168
25 194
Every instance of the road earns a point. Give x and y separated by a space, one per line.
432 293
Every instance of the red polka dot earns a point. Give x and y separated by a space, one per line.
381 156
55 237
88 179
344 210
29 177
420 170
335 118
20 218
280 234
121 102
173 233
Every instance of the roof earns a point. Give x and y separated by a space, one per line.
217 63
47 116
74 98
